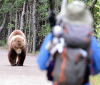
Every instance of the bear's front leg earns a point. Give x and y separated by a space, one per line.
12 57
21 58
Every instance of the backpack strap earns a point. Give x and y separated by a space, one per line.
56 83
91 62
61 76
64 29
63 55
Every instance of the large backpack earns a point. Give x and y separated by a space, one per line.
72 65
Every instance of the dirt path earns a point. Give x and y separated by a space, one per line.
29 74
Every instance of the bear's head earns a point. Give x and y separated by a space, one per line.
18 43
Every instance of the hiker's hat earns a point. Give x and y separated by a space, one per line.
76 13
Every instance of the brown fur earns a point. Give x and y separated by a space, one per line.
17 48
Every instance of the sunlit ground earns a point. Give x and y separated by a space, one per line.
95 80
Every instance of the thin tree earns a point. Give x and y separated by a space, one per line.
10 24
3 23
92 5
22 17
34 25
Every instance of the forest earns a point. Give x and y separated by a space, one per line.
31 16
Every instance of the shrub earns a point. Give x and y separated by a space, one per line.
2 43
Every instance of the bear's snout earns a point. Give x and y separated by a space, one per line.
18 51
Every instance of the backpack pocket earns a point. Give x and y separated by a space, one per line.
77 36
70 67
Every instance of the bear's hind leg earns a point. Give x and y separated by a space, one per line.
21 58
12 57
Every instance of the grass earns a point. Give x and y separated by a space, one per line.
95 80
34 54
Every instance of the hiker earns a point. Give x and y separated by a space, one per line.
76 14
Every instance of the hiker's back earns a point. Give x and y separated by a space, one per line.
72 64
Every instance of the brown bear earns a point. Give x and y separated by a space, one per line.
17 48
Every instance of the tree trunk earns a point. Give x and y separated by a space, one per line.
30 24
4 21
10 28
16 17
27 15
34 25
19 19
22 17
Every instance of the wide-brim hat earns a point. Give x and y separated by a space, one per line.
76 13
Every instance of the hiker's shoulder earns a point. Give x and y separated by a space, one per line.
94 40
95 45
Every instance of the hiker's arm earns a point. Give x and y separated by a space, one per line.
43 53
96 55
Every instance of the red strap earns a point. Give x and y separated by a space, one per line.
62 77
56 83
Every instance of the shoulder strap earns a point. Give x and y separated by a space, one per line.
62 77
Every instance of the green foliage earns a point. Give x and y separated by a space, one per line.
42 7
70 1
36 52
2 43
10 25
96 11
11 5
45 30
19 3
